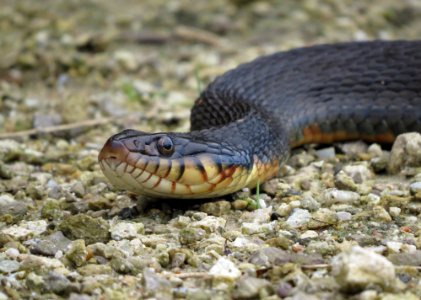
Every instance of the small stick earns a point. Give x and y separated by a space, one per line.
193 275
316 266
191 34
83 125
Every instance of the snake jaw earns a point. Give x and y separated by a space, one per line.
193 171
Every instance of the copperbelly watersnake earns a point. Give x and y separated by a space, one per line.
245 122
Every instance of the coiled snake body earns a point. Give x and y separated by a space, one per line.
246 121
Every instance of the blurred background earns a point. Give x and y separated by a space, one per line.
141 64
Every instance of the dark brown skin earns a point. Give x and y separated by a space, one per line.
251 116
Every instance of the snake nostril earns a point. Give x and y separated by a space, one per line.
113 149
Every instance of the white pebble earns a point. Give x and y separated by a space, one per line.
333 195
326 153
26 229
253 228
406 248
415 186
225 268
309 234
394 246
125 230
359 268
12 253
373 199
298 218
295 203
394 211
343 216
375 150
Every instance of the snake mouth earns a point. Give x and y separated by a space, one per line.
203 175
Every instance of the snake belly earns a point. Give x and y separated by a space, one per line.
245 122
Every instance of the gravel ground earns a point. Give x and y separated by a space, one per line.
340 222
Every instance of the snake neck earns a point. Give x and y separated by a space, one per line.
246 128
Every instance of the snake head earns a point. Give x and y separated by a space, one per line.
173 165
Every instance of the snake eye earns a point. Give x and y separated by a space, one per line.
165 146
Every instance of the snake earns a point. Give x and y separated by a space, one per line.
245 123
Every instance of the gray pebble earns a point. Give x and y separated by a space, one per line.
415 187
406 152
343 216
50 245
8 266
326 153
298 218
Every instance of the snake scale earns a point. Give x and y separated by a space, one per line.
245 122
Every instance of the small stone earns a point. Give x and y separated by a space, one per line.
42 120
8 266
92 270
343 216
373 199
217 208
279 242
359 173
9 150
50 245
270 256
26 229
210 223
5 171
379 164
406 259
12 253
375 150
10 206
406 152
132 265
74 296
126 230
309 234
358 268
394 246
52 210
35 263
87 228
309 203
354 148
78 189
156 285
415 187
191 235
178 259
77 253
254 228
326 153
57 283
344 182
270 187
298 218
394 211
284 210
259 216
225 268
284 289
331 196
126 59
322 218
380 214
240 204
252 288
